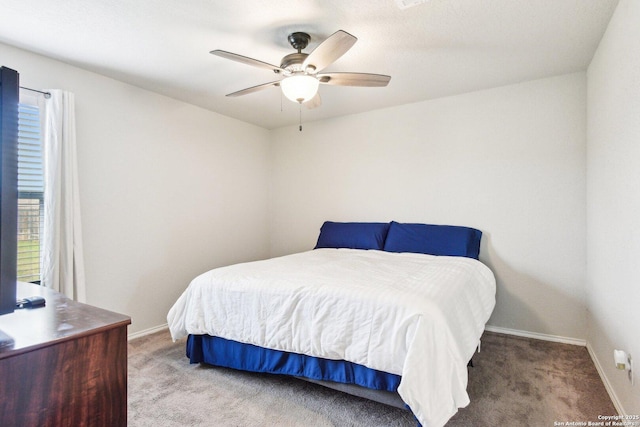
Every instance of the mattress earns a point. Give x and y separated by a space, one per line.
413 315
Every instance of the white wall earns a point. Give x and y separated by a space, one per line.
168 190
509 161
613 200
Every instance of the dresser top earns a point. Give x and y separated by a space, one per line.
59 320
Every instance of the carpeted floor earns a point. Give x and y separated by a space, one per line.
515 382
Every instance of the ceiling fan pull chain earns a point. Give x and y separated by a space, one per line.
300 107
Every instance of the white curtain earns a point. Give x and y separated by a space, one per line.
62 258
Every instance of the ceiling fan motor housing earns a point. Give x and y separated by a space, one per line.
293 61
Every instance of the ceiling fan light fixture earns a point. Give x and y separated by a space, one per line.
299 88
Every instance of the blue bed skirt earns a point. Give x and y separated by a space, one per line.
232 354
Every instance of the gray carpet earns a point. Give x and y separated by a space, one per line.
515 381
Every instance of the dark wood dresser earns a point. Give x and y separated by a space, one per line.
67 366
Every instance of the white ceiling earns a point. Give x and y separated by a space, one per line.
434 49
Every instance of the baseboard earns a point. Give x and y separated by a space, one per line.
605 381
535 335
147 332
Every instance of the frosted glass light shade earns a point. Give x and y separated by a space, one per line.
299 88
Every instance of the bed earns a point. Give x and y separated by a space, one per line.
384 306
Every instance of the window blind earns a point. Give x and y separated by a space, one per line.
30 193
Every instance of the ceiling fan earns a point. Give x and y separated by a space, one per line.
301 71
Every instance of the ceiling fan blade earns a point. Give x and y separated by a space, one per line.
254 89
314 102
354 79
246 60
329 50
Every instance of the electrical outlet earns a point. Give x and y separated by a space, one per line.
624 362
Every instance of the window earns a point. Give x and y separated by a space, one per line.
30 193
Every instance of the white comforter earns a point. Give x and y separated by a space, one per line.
418 316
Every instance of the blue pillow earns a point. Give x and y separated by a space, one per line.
353 235
429 239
